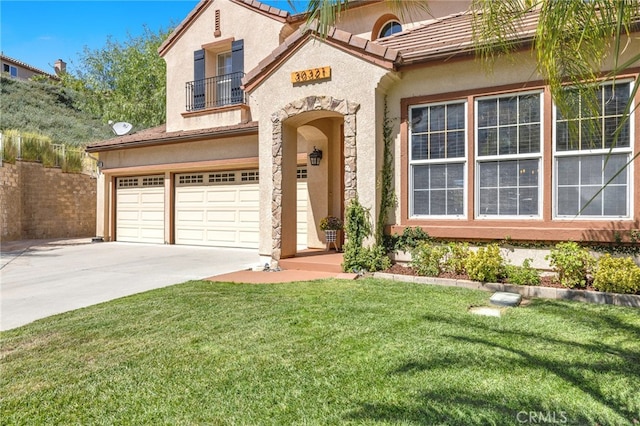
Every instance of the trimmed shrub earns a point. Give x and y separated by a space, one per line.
485 265
427 259
571 263
456 257
617 275
523 275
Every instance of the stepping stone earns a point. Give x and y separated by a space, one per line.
501 298
486 311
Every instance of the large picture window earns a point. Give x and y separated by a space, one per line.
437 159
592 152
509 151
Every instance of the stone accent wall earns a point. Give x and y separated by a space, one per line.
312 103
40 203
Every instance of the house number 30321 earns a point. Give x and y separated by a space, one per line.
311 74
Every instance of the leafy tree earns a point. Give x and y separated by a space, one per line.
123 81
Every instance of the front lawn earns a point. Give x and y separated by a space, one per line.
325 352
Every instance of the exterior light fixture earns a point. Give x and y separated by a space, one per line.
315 156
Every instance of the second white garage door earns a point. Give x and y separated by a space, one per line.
221 209
217 209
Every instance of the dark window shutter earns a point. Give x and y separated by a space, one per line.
237 68
198 77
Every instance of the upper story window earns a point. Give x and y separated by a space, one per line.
10 69
437 159
390 28
509 155
593 150
217 78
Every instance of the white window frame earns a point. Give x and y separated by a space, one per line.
588 152
223 87
509 157
390 22
463 161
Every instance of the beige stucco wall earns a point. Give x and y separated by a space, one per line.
260 34
219 149
352 79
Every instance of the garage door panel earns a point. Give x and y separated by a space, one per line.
217 217
153 199
222 196
196 196
249 217
193 216
152 216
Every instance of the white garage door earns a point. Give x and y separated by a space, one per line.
218 209
222 209
140 209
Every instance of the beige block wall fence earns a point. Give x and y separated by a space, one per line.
42 203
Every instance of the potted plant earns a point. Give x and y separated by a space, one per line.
331 225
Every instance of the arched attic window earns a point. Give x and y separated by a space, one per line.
385 26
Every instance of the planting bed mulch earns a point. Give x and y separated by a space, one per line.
545 281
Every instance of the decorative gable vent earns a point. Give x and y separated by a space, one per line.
217 32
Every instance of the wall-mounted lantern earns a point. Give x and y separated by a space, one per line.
315 156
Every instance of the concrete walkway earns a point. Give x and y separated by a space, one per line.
47 277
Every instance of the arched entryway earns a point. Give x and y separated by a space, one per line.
325 121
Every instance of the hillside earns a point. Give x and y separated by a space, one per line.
47 109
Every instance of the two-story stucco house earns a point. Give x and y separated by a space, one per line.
478 154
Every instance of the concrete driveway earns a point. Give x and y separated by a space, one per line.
43 278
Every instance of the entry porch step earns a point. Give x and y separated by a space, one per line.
314 260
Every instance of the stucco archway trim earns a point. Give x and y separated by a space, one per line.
348 110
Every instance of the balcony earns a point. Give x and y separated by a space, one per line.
215 92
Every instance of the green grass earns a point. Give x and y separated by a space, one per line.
325 352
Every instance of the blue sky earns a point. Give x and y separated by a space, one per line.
40 32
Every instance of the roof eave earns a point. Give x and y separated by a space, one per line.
249 130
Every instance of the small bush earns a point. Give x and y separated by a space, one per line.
427 259
617 275
10 145
456 257
523 275
410 239
35 147
485 265
571 263
72 161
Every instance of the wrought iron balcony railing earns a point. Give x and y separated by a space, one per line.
215 92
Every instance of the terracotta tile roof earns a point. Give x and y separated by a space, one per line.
265 8
383 55
159 136
447 37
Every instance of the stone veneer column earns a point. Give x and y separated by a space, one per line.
312 103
